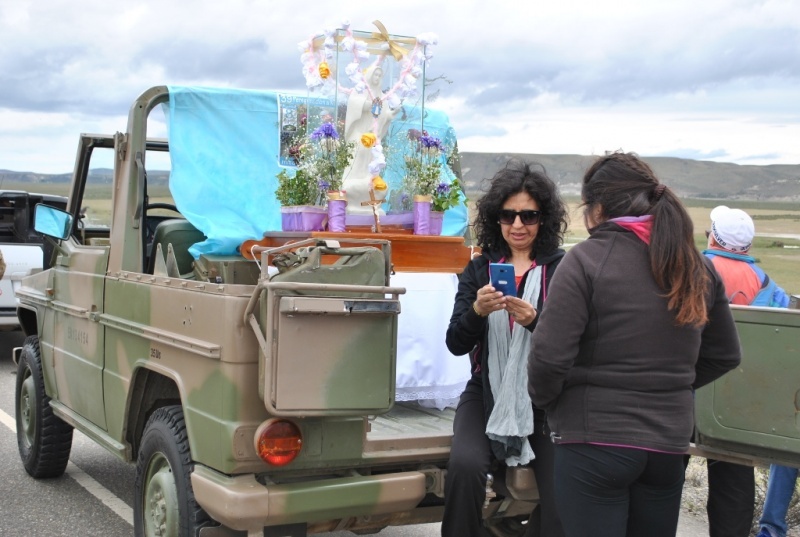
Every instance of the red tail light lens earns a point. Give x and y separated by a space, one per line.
278 441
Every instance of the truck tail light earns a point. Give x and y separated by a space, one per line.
278 441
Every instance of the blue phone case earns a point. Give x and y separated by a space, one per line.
502 276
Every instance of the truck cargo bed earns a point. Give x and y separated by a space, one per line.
410 432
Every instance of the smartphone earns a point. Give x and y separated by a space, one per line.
502 276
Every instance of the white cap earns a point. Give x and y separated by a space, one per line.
733 229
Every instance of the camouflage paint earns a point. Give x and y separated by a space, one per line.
240 503
78 337
346 347
103 323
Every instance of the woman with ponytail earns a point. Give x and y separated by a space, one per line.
636 320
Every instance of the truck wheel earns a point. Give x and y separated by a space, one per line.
164 505
44 439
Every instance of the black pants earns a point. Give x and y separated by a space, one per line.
605 491
470 459
731 499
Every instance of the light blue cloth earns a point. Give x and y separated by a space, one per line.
224 148
435 123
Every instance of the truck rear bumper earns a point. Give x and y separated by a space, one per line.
242 503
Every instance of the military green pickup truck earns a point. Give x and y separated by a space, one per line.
256 403
250 403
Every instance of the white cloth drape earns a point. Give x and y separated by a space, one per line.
426 371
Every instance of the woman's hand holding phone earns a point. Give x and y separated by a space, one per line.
521 311
488 300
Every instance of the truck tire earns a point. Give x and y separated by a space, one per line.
164 503
44 440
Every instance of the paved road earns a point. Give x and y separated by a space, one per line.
95 497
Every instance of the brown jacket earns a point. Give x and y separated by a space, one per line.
608 362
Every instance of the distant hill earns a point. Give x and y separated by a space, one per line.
689 178
96 175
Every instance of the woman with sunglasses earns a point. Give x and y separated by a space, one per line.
521 221
635 321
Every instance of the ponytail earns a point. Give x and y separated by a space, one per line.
676 264
624 185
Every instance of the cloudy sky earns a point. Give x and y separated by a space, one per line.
713 79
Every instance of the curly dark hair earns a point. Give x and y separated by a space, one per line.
519 176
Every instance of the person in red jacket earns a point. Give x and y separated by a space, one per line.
731 487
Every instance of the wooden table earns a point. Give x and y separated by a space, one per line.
410 253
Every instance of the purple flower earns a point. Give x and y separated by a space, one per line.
323 184
326 130
443 189
429 142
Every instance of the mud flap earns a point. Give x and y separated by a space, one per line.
221 531
287 530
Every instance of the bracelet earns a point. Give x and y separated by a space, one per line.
475 308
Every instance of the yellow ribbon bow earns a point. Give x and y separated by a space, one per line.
394 47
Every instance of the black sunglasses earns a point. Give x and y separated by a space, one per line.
529 217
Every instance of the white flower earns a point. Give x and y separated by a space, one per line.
393 101
378 162
351 69
376 168
348 43
428 38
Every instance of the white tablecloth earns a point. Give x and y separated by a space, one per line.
426 371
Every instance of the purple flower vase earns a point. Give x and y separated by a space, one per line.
437 218
422 215
337 212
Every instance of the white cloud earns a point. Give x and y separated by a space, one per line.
717 79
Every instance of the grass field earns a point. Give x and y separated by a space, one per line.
776 247
776 252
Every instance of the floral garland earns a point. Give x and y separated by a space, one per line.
318 78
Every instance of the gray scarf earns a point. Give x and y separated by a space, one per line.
511 420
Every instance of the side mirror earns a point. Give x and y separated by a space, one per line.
52 222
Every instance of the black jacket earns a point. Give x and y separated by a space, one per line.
608 362
468 331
